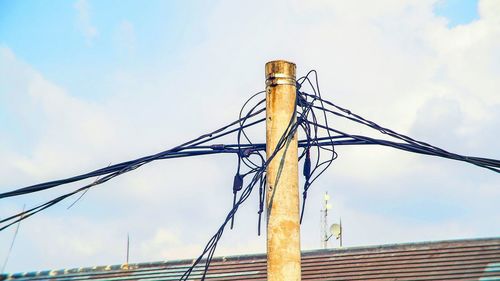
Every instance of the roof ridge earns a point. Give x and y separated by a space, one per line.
305 253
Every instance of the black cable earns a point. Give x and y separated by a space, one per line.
308 108
283 143
137 162
312 117
185 150
490 164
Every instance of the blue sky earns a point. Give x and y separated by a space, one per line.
50 38
457 11
88 83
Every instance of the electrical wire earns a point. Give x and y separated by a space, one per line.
259 177
182 150
311 117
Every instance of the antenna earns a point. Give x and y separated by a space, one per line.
340 236
336 231
128 246
324 221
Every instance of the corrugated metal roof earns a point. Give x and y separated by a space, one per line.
477 259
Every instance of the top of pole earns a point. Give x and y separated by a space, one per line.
280 72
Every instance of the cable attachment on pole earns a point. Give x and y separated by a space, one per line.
218 146
307 175
237 183
247 152
301 100
262 197
307 165
237 186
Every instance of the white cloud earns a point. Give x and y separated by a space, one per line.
84 21
395 63
166 245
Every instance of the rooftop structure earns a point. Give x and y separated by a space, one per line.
473 259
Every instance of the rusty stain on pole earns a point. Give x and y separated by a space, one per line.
283 228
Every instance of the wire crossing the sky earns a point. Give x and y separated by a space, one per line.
314 116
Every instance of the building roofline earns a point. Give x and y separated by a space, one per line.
305 253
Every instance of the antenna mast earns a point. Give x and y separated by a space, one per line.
324 221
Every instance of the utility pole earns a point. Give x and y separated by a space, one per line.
283 227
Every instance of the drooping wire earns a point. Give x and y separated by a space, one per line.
312 134
318 153
244 154
283 143
409 144
211 245
310 103
190 148
182 150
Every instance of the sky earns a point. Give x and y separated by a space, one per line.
87 83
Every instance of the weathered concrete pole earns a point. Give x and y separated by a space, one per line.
283 227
